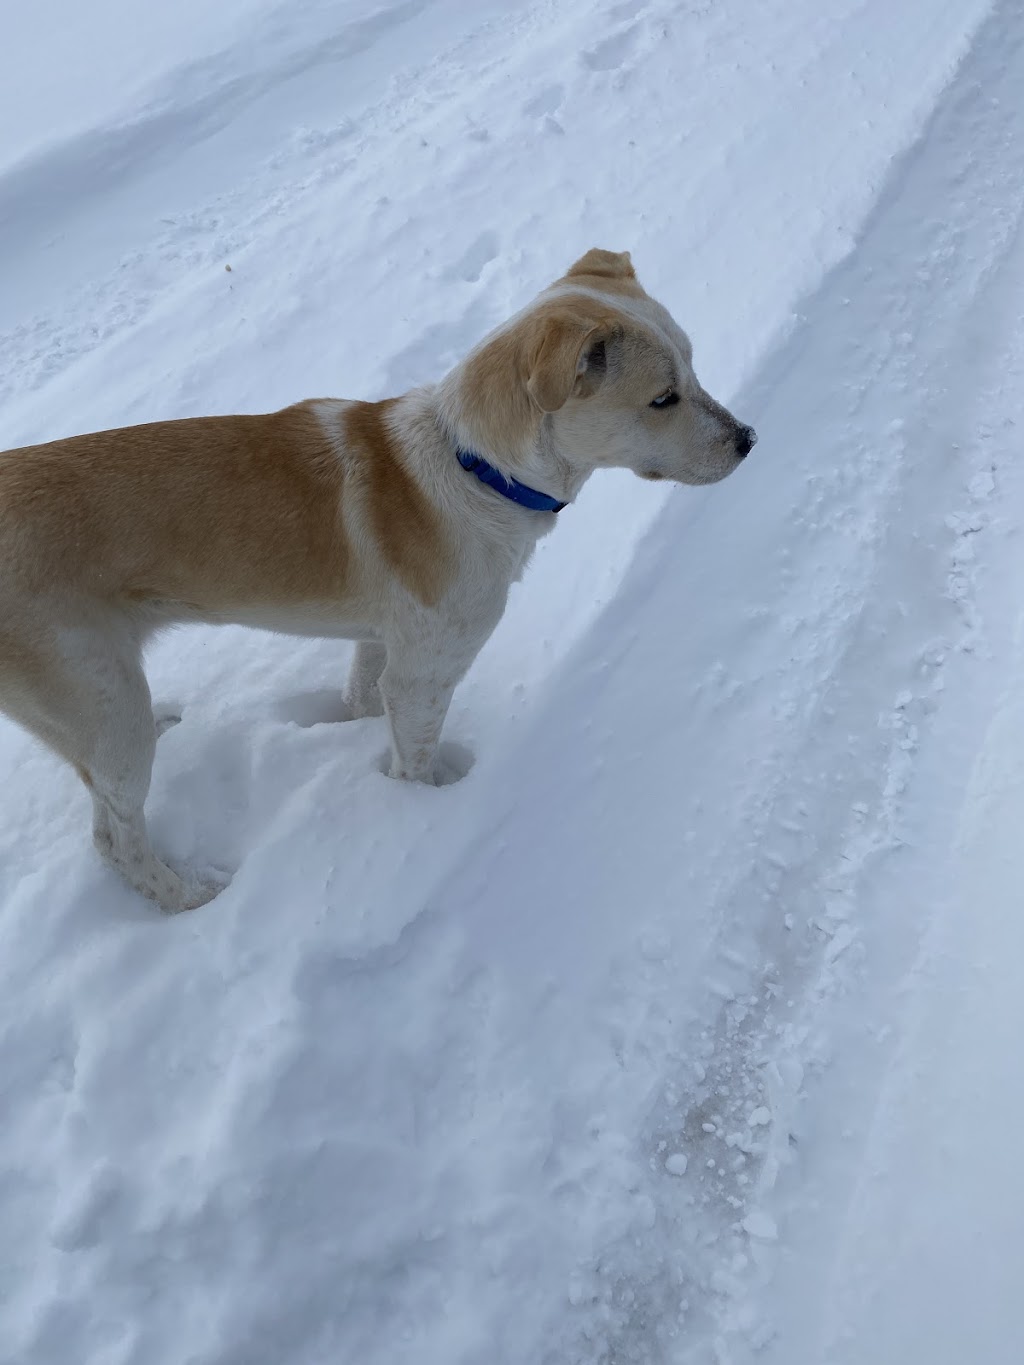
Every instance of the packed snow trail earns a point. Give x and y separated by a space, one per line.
548 1065
904 1233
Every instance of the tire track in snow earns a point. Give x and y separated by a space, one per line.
189 105
917 1253
877 381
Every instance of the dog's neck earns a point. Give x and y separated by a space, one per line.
529 456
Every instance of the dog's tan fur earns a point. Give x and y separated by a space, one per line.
338 518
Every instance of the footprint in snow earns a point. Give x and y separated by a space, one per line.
613 52
632 9
546 101
471 265
325 706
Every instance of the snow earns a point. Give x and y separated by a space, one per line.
760 1225
682 1028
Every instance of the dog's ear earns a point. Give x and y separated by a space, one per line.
567 358
614 265
532 367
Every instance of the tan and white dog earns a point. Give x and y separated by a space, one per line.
375 522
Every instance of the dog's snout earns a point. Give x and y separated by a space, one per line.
746 440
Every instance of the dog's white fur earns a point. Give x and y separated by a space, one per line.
329 518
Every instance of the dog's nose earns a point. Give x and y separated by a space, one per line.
746 440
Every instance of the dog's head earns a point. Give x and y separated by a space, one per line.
596 373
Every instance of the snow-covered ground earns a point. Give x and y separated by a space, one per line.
683 1029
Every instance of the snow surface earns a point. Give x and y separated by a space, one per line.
685 1027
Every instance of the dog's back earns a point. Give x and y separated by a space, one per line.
184 512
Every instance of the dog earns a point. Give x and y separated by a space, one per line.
398 524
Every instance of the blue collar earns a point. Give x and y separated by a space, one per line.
508 488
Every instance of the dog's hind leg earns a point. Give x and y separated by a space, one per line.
117 770
363 694
83 692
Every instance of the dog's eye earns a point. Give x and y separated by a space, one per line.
666 400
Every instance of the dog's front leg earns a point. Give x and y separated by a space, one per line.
363 694
417 694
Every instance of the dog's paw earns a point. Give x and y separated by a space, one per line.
389 767
206 885
365 705
451 764
200 889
